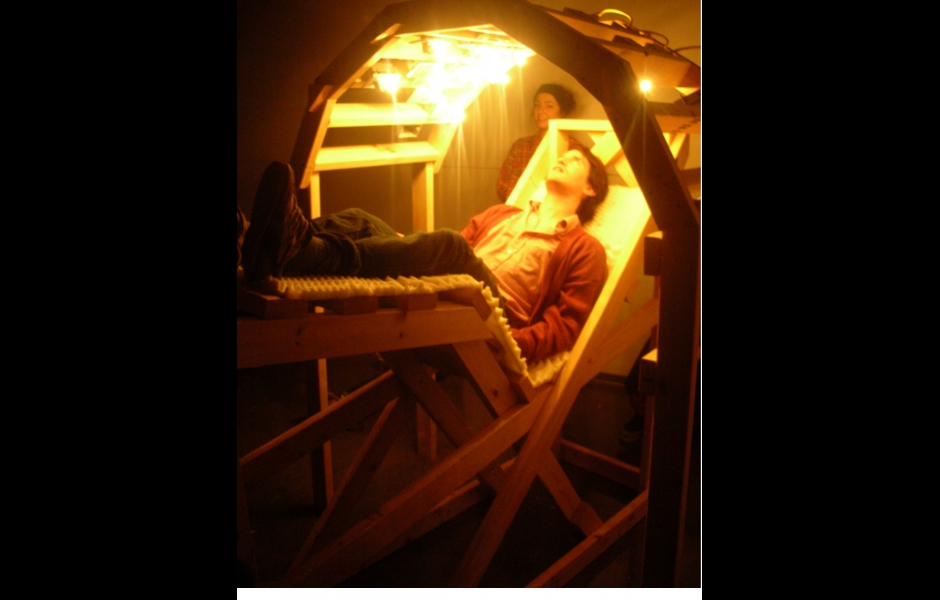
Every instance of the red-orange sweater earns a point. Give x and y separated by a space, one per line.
576 274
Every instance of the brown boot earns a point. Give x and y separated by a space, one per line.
278 229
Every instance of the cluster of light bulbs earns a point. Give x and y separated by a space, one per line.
455 65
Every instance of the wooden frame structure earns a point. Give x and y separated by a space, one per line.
603 59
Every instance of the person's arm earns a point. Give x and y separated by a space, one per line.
578 282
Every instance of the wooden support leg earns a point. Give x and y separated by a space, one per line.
427 435
348 555
581 555
494 387
301 439
674 402
537 445
392 420
439 407
321 458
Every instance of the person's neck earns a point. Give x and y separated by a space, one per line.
557 206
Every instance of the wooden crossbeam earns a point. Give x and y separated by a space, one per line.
350 553
392 421
600 464
581 555
370 115
326 335
301 439
375 155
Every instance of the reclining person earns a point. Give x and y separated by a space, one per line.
546 270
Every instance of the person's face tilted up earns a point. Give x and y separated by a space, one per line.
545 107
570 175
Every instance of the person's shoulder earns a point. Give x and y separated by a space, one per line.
584 241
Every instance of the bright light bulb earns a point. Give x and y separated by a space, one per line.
645 85
389 82
521 56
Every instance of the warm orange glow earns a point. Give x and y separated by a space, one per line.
645 85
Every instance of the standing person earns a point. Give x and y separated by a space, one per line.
551 101
539 261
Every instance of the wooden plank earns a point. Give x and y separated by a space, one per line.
321 458
469 297
422 301
439 407
309 140
679 146
606 147
327 335
349 554
300 440
486 376
314 195
371 115
393 420
352 157
674 408
426 442
648 372
581 555
422 197
580 513
625 334
600 464
354 305
267 306
440 137
653 254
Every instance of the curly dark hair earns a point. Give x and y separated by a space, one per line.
562 95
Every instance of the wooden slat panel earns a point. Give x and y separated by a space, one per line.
368 115
352 157
279 341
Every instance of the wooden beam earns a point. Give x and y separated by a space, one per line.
422 197
352 157
486 376
393 420
349 554
572 563
321 457
326 335
268 306
674 406
600 464
373 115
439 407
313 432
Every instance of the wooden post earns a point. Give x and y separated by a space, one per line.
321 459
673 406
422 197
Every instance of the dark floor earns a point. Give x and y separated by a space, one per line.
271 399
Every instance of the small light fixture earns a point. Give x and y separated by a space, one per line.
645 85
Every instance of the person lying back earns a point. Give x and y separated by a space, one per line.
546 270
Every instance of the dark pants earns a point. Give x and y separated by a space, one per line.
381 253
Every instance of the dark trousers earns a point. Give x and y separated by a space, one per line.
381 253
